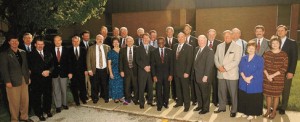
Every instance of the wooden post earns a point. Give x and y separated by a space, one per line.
294 20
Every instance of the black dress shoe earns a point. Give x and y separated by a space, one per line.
42 118
194 103
186 109
203 112
177 105
95 102
136 102
49 114
232 114
197 109
65 107
166 106
142 107
218 111
151 104
281 112
58 110
106 101
159 109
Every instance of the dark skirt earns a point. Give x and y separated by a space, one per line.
250 104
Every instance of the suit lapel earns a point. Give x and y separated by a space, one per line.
12 54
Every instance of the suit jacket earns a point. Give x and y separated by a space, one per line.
158 68
137 43
108 41
23 47
230 60
77 66
37 65
143 59
123 61
91 57
203 64
11 70
264 47
291 49
215 44
154 43
174 41
193 41
60 68
90 42
185 60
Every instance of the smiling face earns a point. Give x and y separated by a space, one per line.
57 41
86 36
14 43
275 45
181 37
251 50
99 39
259 33
39 45
27 39
227 37
202 41
161 42
281 32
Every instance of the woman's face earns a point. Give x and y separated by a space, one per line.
115 43
275 45
251 50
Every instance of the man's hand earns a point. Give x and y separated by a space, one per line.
46 73
155 79
204 79
221 69
70 76
147 68
122 74
185 75
8 85
29 81
170 78
289 75
86 73
91 73
111 76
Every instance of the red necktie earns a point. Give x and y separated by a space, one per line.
58 55
258 45
210 44
162 55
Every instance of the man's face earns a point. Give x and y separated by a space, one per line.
75 42
99 39
259 33
86 36
103 31
140 33
211 35
202 41
187 30
161 43
129 42
146 39
57 41
170 33
116 32
236 35
27 39
124 33
181 38
281 32
14 43
153 36
39 45
227 37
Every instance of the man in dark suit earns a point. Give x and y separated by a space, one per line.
139 40
107 39
212 43
41 67
86 43
290 47
60 74
193 42
27 43
183 59
202 68
115 33
15 74
77 71
128 70
144 76
162 72
124 34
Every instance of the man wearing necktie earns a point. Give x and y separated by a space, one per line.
162 72
41 67
77 71
60 74
139 40
202 68
144 71
27 43
261 42
97 69
153 36
124 34
183 59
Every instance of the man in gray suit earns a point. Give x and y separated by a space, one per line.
15 72
227 59
202 68
261 42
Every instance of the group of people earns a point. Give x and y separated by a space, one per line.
237 72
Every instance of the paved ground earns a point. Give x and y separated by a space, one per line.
112 112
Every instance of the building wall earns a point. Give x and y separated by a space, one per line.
244 18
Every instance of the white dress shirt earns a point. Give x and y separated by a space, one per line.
98 56
282 41
78 50
128 48
188 39
208 42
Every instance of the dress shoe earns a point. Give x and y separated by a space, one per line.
65 107
95 102
159 109
136 102
106 101
186 109
151 104
232 114
194 103
84 102
142 107
281 112
203 112
49 114
177 105
42 118
166 106
218 111
58 110
197 109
